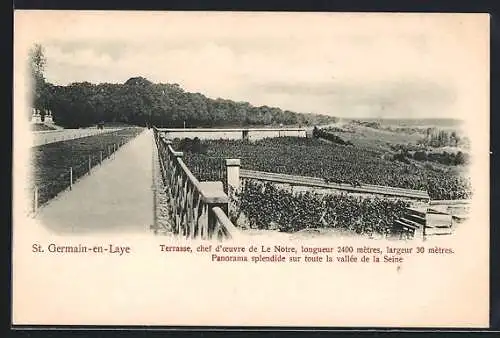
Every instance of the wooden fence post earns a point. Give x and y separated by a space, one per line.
100 154
70 178
90 163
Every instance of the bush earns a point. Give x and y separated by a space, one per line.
401 157
320 133
268 207
461 158
420 156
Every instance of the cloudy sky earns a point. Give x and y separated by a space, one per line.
348 65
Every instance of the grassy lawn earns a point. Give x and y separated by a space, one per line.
51 162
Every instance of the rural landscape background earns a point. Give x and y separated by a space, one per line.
429 155
374 145
146 134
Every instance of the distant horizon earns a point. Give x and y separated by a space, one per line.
406 118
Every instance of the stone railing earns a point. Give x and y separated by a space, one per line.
234 133
196 209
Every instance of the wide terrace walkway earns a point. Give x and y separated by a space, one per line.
116 197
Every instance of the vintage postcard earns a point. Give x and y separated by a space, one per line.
251 169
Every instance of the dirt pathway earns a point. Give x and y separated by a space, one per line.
117 197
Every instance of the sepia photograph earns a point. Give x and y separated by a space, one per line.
332 137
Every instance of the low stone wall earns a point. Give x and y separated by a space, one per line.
232 133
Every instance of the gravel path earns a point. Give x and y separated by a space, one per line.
117 197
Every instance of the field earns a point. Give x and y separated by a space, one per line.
377 138
51 162
267 206
314 157
368 158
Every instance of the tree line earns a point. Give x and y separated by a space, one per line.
327 135
446 158
438 138
139 101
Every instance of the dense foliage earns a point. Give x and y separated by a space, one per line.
438 138
312 157
422 154
328 135
269 207
139 101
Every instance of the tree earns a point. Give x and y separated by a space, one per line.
315 132
37 62
460 158
139 101
420 156
428 133
453 138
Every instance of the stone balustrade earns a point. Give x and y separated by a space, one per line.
197 209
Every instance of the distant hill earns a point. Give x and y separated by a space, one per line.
139 101
445 123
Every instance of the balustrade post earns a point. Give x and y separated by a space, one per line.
214 196
233 173
70 178
212 218
182 224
